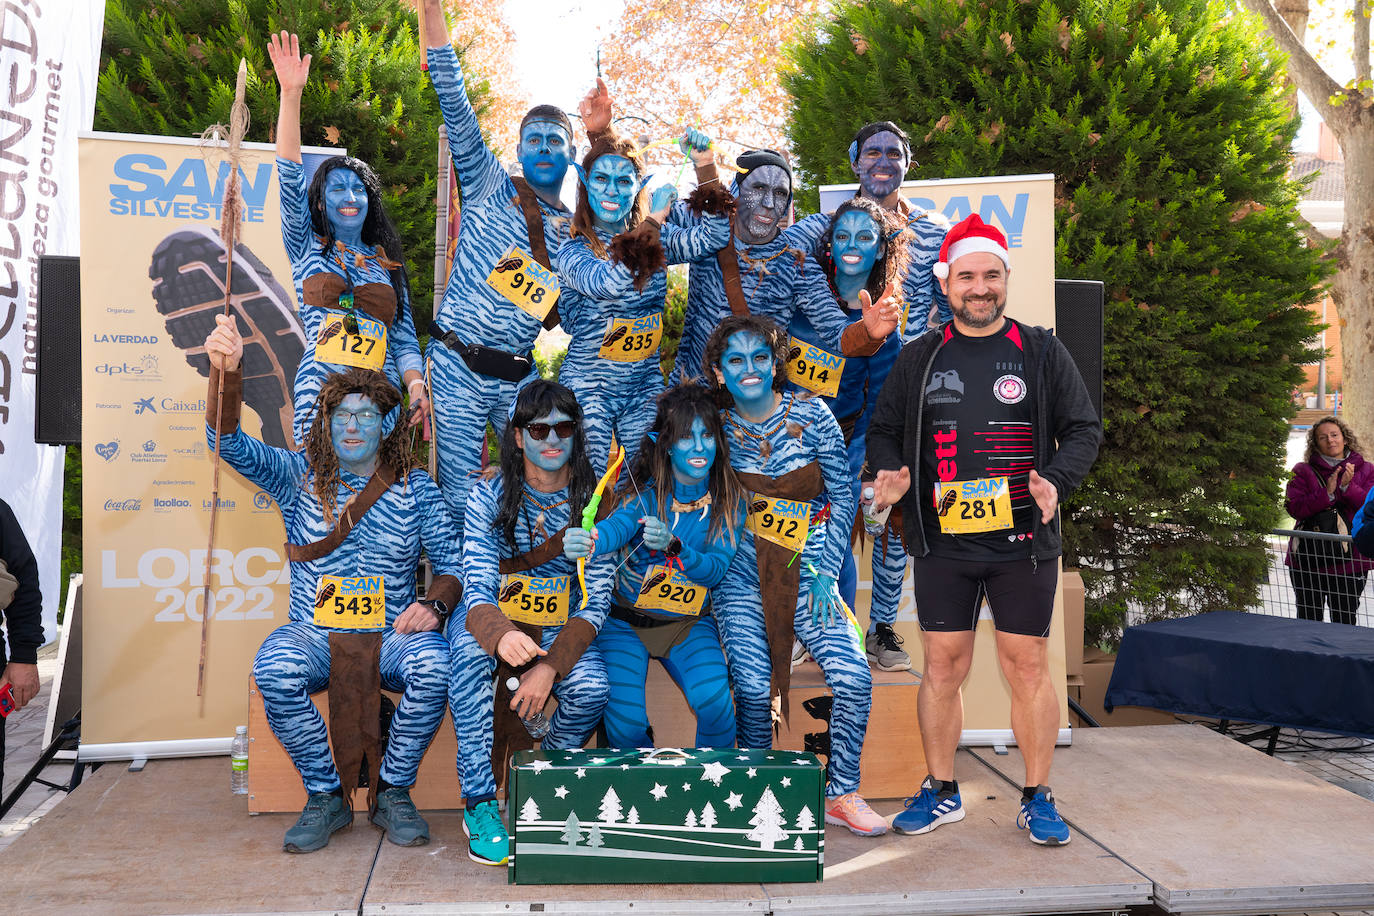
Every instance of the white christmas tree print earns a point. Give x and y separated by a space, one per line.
529 813
634 816
767 821
806 820
610 807
798 845
708 816
691 818
594 839
572 833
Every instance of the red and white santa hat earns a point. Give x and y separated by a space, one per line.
967 236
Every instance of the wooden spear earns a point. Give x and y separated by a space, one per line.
230 216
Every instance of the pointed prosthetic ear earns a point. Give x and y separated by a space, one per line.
644 182
853 152
581 175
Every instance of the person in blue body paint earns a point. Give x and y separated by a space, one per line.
346 259
690 513
763 270
481 342
866 248
512 549
789 454
355 450
614 283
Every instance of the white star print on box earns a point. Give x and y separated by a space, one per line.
560 792
714 771
658 792
751 772
597 761
686 787
540 766
786 781
801 763
581 771
734 800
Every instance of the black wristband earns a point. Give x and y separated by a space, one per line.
674 547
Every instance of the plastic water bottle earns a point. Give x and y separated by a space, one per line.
238 761
874 521
538 724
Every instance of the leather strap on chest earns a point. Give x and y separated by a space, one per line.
534 228
351 513
729 274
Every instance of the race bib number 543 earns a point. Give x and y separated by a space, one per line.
350 602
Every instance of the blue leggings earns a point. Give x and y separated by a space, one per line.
835 649
294 663
472 699
629 416
696 665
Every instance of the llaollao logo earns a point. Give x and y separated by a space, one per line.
107 450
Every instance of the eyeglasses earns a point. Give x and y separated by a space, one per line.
365 417
540 431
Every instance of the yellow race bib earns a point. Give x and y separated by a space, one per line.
782 521
350 602
525 282
813 368
366 349
529 599
667 590
973 506
631 340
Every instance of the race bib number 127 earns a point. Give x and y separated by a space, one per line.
366 349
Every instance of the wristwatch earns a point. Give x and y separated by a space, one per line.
438 607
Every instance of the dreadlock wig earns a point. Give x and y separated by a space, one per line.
678 407
538 399
394 452
894 252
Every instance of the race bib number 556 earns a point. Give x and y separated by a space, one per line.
532 600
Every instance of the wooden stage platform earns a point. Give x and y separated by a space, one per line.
1174 816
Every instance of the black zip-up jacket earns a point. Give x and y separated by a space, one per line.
1061 408
24 616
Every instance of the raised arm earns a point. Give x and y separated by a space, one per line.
292 72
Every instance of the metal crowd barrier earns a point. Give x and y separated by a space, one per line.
1310 587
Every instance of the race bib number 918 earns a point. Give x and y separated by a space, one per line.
525 282
532 600
973 506
350 602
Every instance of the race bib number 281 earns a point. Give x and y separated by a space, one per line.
973 506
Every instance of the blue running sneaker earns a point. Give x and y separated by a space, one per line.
488 842
927 810
1047 828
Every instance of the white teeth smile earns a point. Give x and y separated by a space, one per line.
697 462
348 211
609 205
850 258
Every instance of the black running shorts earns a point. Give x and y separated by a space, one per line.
950 592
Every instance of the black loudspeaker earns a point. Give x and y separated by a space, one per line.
1078 311
57 419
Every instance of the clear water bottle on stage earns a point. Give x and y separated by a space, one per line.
538 724
238 761
874 521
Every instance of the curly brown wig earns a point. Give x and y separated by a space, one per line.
319 444
894 254
774 336
583 223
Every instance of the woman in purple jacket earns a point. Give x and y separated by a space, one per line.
1332 475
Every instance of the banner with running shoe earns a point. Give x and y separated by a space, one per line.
50 56
152 281
1022 206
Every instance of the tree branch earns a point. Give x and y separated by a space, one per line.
1314 236
1361 35
1302 67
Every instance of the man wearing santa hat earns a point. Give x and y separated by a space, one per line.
990 420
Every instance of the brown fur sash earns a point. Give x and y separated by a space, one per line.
534 228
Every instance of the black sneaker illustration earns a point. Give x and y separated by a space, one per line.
188 286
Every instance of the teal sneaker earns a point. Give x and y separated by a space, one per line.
396 815
1041 817
488 841
324 813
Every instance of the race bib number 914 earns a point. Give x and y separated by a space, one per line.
973 506
350 602
813 368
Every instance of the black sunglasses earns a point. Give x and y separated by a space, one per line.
540 431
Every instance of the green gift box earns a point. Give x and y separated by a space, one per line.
670 816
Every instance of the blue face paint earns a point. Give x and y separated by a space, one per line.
551 453
693 454
881 164
345 205
355 428
762 199
545 151
612 186
854 243
746 369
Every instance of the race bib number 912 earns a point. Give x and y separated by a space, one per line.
782 521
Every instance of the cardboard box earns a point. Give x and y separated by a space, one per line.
1074 600
1097 673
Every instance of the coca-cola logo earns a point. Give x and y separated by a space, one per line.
132 504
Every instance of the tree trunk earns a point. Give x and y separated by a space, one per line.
1353 286
1295 13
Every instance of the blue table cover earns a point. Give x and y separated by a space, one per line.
1250 667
